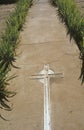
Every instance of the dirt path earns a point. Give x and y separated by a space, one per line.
44 41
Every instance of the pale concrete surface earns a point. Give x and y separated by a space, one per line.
43 41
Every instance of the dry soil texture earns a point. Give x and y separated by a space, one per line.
5 11
80 4
44 40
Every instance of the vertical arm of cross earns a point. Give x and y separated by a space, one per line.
44 77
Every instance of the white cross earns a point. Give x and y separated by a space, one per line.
44 77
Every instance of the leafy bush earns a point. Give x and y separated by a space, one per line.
74 20
8 45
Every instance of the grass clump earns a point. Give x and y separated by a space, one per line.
8 45
70 14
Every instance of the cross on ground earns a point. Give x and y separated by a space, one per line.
44 77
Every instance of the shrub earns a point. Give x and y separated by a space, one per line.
74 20
8 45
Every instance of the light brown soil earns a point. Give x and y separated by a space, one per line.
5 11
80 4
45 41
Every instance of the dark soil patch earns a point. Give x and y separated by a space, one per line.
7 1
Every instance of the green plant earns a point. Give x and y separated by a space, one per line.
4 92
70 14
8 45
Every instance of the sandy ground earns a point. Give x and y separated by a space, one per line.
44 40
80 4
5 11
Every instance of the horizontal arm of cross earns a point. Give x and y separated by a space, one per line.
37 77
42 76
